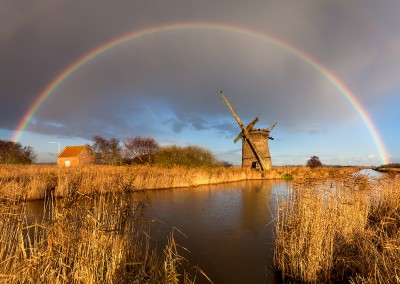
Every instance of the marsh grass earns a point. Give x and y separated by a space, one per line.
38 181
96 232
84 239
346 229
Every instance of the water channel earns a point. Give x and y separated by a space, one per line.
228 227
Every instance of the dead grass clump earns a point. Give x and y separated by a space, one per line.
38 181
85 239
331 231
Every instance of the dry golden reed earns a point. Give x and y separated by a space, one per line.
36 181
83 239
344 229
96 233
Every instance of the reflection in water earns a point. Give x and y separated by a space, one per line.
40 210
225 226
228 227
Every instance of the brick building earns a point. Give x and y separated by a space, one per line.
75 156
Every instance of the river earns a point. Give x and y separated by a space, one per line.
228 228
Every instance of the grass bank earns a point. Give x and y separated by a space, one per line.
343 230
36 181
389 170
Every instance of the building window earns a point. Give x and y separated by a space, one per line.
67 163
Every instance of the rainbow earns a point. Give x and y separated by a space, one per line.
135 35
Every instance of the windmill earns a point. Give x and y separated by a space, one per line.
255 150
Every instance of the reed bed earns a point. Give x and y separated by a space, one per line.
84 239
340 230
38 181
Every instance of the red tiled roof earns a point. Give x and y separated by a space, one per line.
71 151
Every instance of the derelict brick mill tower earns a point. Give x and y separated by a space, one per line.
255 149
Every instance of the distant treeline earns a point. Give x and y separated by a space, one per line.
135 150
146 150
15 153
393 165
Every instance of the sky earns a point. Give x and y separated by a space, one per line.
325 70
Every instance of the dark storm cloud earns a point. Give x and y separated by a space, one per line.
198 123
172 80
177 125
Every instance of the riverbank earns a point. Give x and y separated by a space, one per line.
38 181
388 170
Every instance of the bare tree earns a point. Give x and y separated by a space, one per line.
140 149
15 153
107 151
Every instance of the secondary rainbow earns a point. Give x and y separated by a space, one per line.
115 42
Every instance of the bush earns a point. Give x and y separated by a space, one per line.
189 156
287 176
226 164
314 162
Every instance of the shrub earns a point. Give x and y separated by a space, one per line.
226 164
287 176
314 162
189 156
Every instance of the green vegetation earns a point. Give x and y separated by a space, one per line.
287 176
15 153
146 150
190 156
133 151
